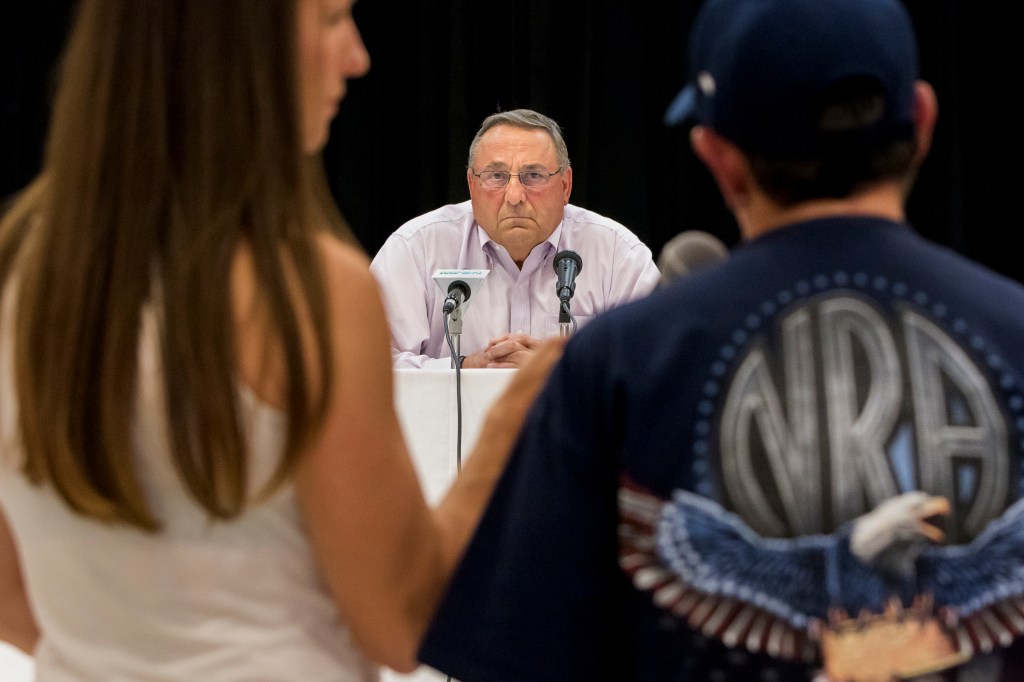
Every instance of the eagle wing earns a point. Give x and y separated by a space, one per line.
774 595
706 565
979 586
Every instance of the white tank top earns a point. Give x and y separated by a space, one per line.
200 600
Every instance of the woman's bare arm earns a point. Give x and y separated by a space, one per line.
17 624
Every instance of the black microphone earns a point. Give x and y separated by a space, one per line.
458 293
567 265
689 252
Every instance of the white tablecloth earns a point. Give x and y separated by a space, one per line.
427 404
426 401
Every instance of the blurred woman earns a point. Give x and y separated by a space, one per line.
202 475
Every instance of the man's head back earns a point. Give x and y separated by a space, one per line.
820 94
519 179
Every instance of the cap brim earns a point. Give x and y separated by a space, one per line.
682 107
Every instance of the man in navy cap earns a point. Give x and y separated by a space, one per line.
801 463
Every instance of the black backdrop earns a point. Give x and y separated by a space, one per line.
605 71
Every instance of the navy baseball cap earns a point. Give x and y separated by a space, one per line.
759 68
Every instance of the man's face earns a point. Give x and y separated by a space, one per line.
515 216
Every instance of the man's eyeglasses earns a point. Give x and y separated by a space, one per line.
497 179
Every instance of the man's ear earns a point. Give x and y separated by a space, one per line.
926 112
725 161
566 181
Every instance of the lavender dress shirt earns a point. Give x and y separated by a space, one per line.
617 267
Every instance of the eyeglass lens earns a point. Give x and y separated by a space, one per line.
496 179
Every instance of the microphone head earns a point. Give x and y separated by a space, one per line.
567 265
689 252
456 286
567 254
458 293
459 288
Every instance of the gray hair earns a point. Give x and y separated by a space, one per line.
522 118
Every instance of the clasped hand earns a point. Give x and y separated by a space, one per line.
508 351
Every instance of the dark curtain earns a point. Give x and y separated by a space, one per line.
32 33
605 71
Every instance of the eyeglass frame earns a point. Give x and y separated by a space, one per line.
547 176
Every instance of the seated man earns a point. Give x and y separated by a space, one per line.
517 219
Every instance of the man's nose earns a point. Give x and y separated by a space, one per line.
515 193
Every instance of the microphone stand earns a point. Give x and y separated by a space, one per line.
455 329
567 265
458 294
564 318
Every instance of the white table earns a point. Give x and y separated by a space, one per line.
426 401
427 407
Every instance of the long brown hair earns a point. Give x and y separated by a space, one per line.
175 139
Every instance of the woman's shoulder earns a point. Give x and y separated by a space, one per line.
346 270
351 287
341 253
